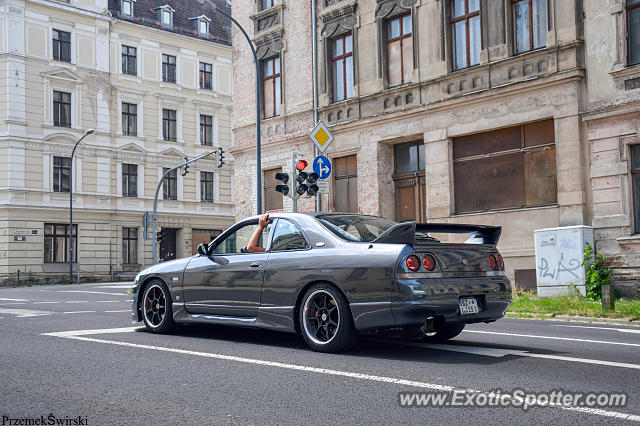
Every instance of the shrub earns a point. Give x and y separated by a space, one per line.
597 272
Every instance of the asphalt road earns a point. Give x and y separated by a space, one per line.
71 351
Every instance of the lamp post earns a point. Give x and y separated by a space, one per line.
257 65
71 253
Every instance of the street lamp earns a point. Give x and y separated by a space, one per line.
257 64
87 133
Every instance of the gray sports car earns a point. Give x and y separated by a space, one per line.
331 277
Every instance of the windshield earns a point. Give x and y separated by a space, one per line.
355 227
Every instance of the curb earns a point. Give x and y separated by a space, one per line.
574 318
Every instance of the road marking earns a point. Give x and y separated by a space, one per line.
499 353
79 335
79 312
116 286
45 303
125 310
112 301
13 303
13 300
622 330
84 291
24 313
569 339
77 301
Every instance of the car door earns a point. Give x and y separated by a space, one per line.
228 282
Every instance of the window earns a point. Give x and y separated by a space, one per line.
127 8
342 67
399 50
529 24
507 168
129 180
170 185
169 125
129 246
169 68
266 4
272 200
203 27
200 236
61 46
206 187
633 28
635 178
354 227
61 109
166 16
346 181
205 76
129 57
56 243
61 172
287 236
206 130
409 181
271 86
239 239
129 119
465 33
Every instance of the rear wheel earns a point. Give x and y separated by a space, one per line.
157 312
325 320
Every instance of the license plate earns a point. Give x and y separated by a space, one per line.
468 306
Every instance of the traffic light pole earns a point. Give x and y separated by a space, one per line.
294 181
155 201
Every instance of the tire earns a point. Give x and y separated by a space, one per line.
448 331
157 312
325 320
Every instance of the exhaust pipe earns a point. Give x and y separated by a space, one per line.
432 325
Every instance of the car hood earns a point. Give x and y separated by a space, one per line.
176 265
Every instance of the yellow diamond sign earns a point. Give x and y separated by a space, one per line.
321 136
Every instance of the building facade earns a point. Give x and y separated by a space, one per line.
462 111
612 118
153 79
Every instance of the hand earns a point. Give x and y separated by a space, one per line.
264 220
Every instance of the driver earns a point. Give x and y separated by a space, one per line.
254 242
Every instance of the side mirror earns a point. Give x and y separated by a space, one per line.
203 249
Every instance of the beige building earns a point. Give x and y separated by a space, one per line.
443 110
154 81
612 117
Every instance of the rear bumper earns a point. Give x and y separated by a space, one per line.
421 298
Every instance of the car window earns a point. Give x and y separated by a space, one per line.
238 240
287 236
354 227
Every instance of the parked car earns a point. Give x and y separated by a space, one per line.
332 277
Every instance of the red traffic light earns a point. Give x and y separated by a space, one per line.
302 164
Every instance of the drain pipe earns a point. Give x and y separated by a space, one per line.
314 48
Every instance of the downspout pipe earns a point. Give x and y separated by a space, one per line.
314 52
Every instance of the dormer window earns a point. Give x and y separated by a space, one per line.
127 8
165 14
202 25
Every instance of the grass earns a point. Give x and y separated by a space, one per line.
528 305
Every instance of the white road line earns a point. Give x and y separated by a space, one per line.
622 330
77 301
116 286
569 339
84 291
111 301
45 303
79 312
125 310
77 335
24 313
13 303
13 300
499 352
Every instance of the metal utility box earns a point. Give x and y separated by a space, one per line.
559 254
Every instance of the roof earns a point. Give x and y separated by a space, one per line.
145 13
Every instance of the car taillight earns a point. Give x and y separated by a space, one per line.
500 262
429 262
492 262
413 262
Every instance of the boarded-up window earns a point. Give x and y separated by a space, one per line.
409 181
346 184
507 168
272 199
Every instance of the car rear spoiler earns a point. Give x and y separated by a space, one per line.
405 233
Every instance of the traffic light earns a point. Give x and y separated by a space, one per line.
220 157
282 188
310 188
186 167
159 236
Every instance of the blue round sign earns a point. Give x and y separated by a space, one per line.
322 167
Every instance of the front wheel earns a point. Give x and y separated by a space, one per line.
325 320
157 312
